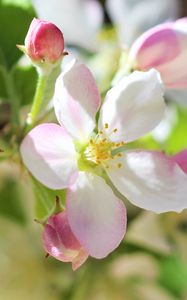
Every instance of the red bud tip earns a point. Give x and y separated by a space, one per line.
44 42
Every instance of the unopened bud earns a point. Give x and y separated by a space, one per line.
44 43
60 242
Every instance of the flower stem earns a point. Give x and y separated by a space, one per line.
38 100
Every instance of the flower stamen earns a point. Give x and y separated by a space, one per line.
100 150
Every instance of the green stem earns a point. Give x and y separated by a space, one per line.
38 100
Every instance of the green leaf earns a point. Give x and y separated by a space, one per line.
174 275
11 94
25 80
15 18
45 199
177 140
10 201
3 91
5 116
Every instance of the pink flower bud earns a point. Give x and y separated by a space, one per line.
164 48
44 42
60 242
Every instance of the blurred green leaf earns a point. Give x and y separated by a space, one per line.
143 228
10 201
25 79
11 94
15 18
174 275
177 140
3 92
45 199
5 115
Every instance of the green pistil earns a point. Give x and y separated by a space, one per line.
83 163
97 153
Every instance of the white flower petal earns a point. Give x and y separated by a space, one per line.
76 100
134 106
78 22
49 154
96 216
151 180
134 17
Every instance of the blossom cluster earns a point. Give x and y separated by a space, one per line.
89 152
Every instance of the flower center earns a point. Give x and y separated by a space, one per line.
99 151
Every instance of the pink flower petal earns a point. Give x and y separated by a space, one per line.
173 73
181 159
77 100
60 242
96 216
49 154
132 17
155 47
134 106
150 180
164 47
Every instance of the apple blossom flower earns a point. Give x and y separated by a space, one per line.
164 48
132 18
84 158
60 242
44 43
80 20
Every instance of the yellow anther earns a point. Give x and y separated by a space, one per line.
100 148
